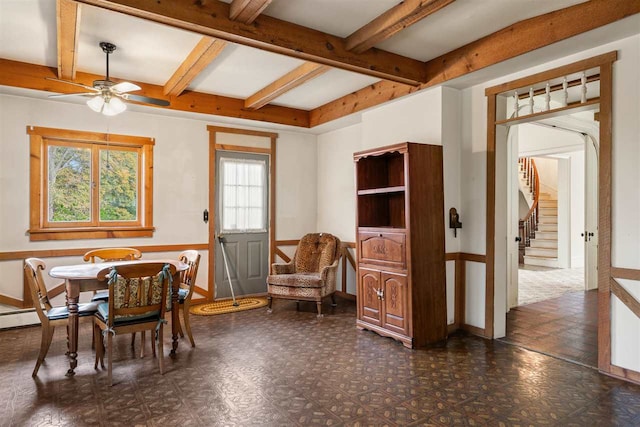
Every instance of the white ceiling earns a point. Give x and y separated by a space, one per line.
151 52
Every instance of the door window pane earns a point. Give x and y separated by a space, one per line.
243 195
69 184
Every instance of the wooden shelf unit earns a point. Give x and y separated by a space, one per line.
400 243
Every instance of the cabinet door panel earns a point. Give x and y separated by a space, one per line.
396 303
369 304
384 248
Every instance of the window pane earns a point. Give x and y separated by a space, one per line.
229 173
255 197
229 219
229 192
255 218
69 184
118 185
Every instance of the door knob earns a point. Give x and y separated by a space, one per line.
518 239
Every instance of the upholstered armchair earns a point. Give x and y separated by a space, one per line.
311 274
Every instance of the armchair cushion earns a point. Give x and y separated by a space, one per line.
314 252
297 280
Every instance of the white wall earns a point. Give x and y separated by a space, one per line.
625 176
181 162
431 117
336 182
548 173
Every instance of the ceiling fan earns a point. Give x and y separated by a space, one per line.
106 94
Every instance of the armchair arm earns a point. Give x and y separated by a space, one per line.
281 268
328 276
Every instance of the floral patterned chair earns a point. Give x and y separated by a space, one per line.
311 274
137 302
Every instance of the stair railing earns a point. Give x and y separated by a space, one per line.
529 224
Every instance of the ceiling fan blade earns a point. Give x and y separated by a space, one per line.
72 83
145 99
62 95
124 87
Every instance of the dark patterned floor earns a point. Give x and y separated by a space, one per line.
290 369
565 327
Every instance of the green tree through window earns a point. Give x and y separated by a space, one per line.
118 185
69 184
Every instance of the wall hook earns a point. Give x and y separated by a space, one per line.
454 221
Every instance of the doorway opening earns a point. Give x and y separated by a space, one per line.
552 294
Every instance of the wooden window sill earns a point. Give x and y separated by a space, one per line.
89 233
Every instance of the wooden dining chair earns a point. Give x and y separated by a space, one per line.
187 284
110 254
49 316
137 302
185 292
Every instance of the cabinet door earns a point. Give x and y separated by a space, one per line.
369 304
383 248
395 302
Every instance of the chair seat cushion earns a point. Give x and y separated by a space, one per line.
103 314
101 296
87 309
182 294
296 280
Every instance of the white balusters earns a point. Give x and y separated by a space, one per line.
517 101
583 86
531 100
565 86
547 97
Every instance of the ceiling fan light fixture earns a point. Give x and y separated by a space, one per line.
113 106
96 103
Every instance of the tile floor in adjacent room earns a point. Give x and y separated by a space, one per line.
291 369
537 284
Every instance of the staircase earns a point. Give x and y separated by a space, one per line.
543 246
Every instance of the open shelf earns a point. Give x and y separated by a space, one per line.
385 190
381 210
383 171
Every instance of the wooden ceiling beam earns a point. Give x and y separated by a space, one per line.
211 18
31 76
246 11
68 26
198 59
289 81
510 42
391 22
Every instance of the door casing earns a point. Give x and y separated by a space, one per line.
214 145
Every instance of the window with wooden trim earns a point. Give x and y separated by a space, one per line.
87 185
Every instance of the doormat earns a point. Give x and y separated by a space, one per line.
226 306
